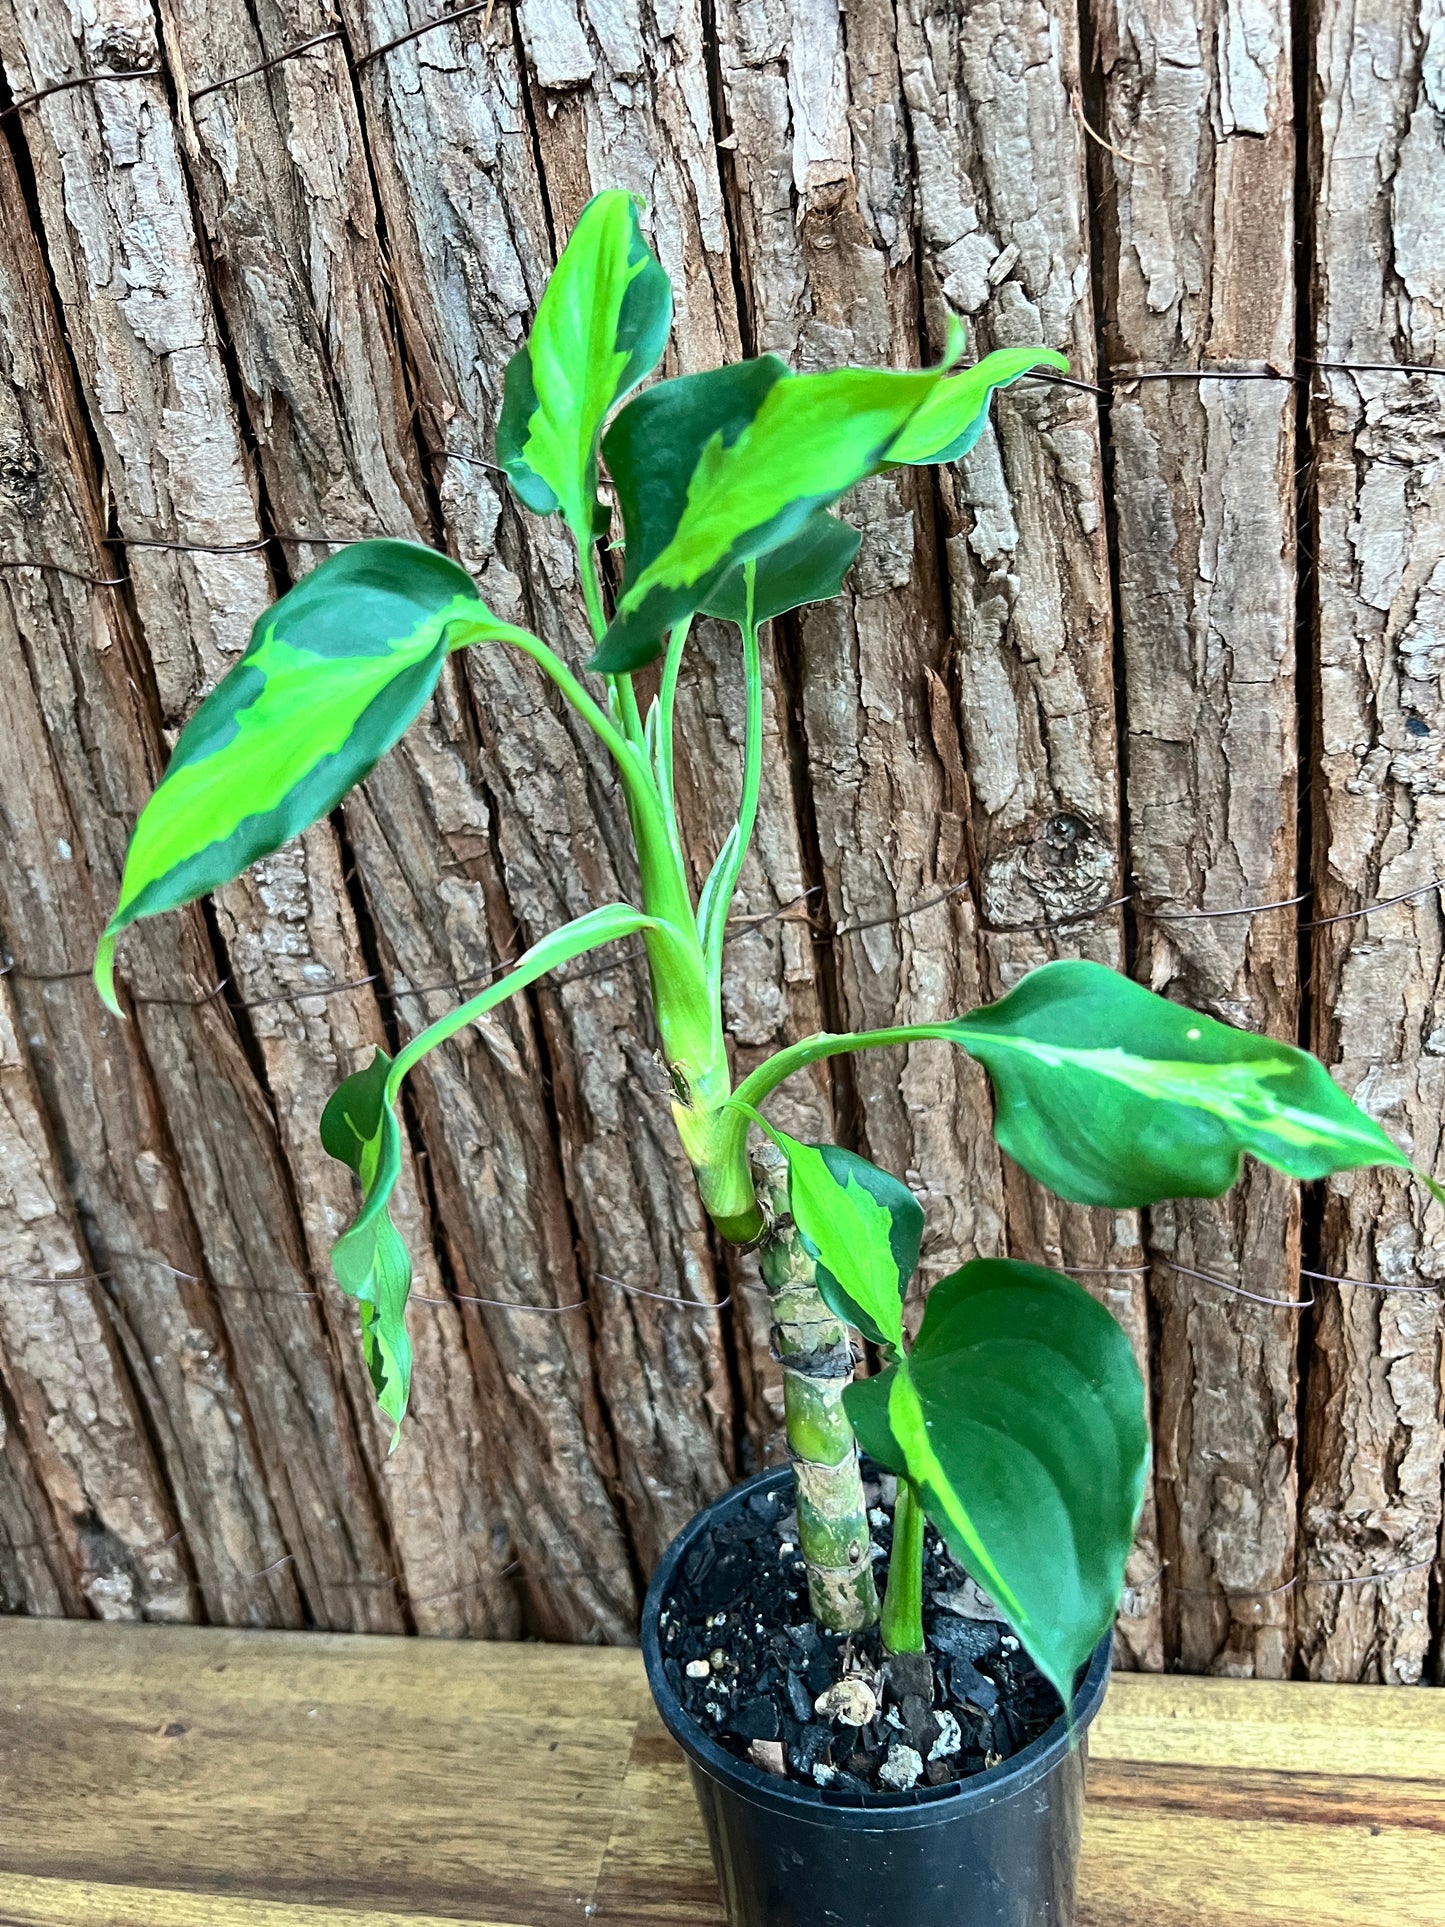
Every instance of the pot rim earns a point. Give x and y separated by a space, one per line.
819 1806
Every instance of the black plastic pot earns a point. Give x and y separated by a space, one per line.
998 1850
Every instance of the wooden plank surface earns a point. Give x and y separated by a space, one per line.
179 1777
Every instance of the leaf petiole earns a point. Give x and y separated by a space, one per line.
723 881
902 1620
574 939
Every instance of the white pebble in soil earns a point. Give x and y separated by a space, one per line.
902 1769
851 1702
950 1737
698 1669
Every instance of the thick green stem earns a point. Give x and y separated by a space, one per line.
812 1347
903 1599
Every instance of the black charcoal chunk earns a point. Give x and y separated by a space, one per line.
799 1698
972 1639
755 1719
907 1674
967 1683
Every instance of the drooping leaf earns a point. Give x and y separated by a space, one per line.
1019 1415
786 446
1113 1096
863 1227
334 673
370 1258
809 568
359 1128
601 326
952 419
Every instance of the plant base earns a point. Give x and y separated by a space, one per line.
997 1850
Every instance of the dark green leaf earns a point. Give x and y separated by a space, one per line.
952 419
1113 1096
334 673
370 1259
864 1229
809 568
655 444
601 326
1019 1415
791 447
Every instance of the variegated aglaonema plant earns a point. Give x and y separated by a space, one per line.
1015 1420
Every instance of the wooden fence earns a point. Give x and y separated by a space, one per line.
1153 677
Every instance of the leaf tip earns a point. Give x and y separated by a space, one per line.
103 972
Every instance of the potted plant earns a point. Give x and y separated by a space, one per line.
914 1759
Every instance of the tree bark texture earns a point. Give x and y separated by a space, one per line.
1374 1438
1198 113
1151 677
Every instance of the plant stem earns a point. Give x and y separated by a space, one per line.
811 1344
591 584
903 1599
731 858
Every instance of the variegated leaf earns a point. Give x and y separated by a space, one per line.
808 568
862 1226
1113 1096
601 325
334 673
1019 1416
370 1258
952 419
713 469
359 1128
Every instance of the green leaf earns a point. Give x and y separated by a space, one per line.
1113 1096
864 1229
334 673
370 1259
359 1128
1019 1415
733 467
601 326
952 419
809 568
656 443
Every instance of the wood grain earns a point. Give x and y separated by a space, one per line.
298 272
545 805
823 207
132 286
517 1786
81 752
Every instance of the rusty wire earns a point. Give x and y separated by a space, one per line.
362 59
746 926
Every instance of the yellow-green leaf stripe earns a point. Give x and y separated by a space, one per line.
601 325
334 673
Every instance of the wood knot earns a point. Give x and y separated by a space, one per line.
1058 868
